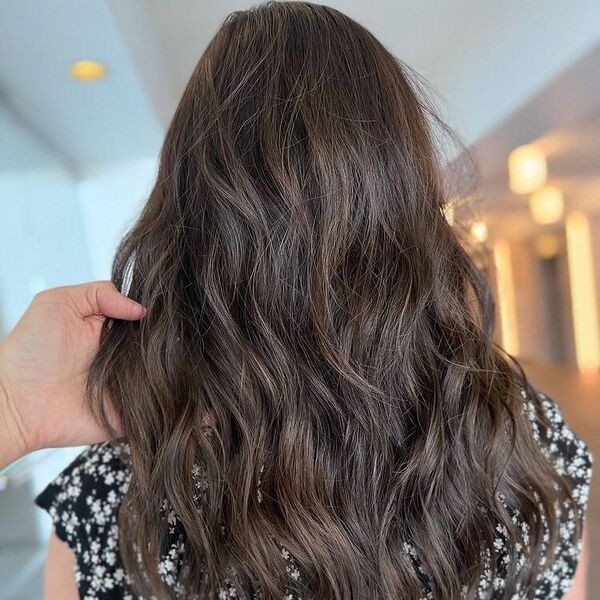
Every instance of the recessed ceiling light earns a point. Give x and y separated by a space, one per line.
547 245
547 205
527 169
479 231
87 70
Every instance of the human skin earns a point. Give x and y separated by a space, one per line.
44 363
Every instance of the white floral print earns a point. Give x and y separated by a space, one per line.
84 500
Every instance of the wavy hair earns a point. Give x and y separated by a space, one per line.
315 325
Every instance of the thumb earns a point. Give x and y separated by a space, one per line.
102 297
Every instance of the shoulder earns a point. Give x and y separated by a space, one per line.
84 499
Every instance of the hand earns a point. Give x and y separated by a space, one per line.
44 363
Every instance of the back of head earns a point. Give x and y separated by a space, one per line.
307 294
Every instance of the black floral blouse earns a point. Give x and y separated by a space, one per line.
84 499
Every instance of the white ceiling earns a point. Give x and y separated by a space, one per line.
87 123
486 58
563 119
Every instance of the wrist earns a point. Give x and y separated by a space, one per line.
13 438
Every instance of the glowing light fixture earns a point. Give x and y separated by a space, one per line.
527 169
449 214
547 205
546 245
479 231
583 292
506 297
87 70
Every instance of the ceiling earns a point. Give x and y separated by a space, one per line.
563 119
485 58
83 123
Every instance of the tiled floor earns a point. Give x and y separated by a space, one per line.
21 561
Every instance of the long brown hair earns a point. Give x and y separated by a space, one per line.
307 294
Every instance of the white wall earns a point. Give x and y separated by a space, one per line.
110 199
42 244
41 234
54 229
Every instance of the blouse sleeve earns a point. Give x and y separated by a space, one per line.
83 502
572 460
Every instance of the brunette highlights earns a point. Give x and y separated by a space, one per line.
314 322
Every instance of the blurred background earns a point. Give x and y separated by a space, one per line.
87 89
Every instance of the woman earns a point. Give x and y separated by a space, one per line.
313 405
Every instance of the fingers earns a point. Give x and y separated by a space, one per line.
102 297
